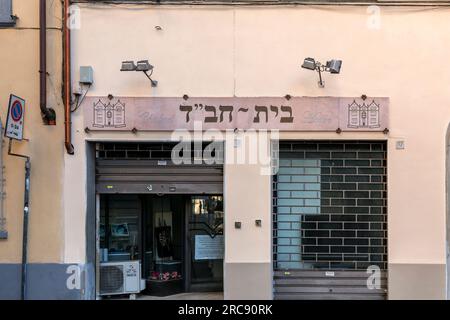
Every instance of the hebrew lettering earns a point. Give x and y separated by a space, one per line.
187 109
258 110
289 119
213 110
226 109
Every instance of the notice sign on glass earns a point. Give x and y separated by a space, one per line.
207 248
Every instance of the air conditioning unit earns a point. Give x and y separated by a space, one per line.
121 278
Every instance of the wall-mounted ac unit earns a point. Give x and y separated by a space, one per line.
121 278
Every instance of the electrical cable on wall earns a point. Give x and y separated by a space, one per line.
79 101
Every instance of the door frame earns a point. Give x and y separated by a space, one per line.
92 251
189 250
447 215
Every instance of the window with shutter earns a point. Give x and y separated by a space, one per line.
6 16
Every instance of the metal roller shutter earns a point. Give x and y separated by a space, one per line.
147 168
330 220
335 285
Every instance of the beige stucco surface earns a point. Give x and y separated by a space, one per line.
225 51
19 72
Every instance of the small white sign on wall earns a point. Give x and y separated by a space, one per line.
207 248
15 119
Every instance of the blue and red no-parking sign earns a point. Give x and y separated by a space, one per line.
17 111
14 122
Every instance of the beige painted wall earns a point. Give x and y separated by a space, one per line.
225 51
247 195
19 74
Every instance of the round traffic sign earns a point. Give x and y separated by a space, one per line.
16 111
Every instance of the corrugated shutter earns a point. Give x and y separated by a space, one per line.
330 220
147 168
157 177
331 285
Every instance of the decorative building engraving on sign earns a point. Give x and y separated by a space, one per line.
99 114
363 116
108 115
231 113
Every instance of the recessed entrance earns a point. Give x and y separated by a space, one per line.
177 240
160 225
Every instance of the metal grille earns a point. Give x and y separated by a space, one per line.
329 204
111 279
156 151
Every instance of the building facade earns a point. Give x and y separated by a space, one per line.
20 75
337 183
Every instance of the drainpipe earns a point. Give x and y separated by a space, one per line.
67 82
48 114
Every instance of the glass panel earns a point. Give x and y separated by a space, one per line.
118 230
207 241
164 238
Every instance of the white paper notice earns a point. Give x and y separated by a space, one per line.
207 248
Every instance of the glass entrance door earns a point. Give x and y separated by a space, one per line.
206 243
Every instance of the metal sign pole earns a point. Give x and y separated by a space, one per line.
3 231
14 130
26 212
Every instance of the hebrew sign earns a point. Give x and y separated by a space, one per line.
293 114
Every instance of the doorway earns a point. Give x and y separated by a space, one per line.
177 239
161 218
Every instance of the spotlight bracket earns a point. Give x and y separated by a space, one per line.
332 66
141 66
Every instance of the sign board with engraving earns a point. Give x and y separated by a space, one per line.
229 113
15 119
208 248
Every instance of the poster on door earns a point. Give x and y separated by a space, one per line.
207 248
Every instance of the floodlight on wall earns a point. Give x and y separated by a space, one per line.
128 66
309 63
332 66
141 66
